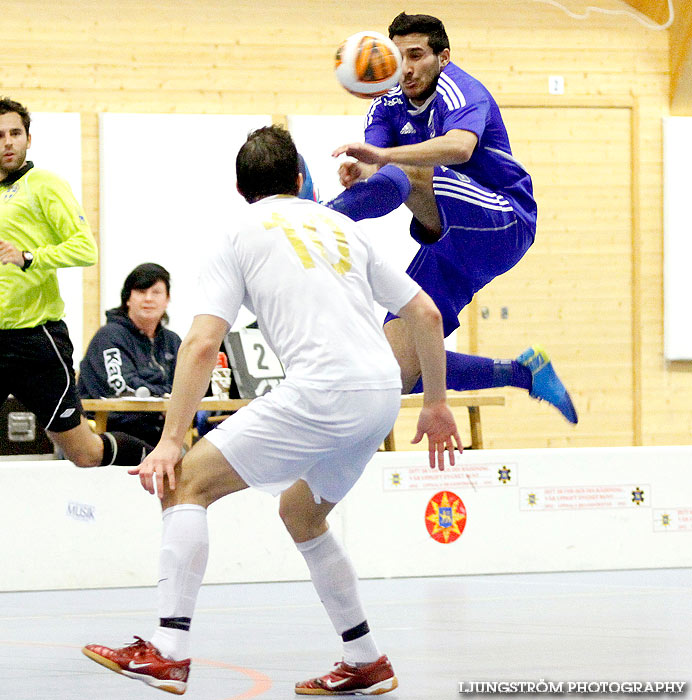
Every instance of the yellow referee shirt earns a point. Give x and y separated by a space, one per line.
39 213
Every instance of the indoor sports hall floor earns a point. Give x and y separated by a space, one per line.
256 640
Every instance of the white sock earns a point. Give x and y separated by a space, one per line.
336 583
183 560
361 651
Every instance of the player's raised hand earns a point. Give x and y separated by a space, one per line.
364 152
437 422
159 463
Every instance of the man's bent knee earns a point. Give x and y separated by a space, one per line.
190 486
300 528
304 519
421 202
83 461
80 445
202 477
420 177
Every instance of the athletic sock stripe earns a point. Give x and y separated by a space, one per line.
114 448
176 623
356 632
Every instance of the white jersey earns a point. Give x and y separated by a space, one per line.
310 276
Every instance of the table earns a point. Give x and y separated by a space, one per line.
102 407
455 399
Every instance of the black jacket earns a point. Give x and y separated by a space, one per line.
119 360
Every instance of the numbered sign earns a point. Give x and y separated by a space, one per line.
255 367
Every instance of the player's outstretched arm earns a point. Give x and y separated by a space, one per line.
364 152
452 148
196 360
436 419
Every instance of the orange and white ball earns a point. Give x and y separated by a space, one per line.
368 64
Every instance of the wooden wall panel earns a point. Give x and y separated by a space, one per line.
572 291
238 56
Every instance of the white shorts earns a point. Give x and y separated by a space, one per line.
325 437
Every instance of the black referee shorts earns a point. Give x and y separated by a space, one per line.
36 368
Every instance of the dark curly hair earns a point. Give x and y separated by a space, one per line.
267 164
432 27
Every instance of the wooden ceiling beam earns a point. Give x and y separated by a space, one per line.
655 10
681 60
680 42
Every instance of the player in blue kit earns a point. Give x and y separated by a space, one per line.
308 189
437 142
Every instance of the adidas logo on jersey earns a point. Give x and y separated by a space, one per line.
407 129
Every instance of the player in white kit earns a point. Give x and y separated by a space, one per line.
311 277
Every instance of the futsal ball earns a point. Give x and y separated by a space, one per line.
368 64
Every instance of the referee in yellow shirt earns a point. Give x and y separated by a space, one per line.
42 228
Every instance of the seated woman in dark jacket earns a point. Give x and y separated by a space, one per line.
133 354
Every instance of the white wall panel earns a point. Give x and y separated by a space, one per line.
56 144
547 510
167 192
677 227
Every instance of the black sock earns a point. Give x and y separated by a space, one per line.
123 449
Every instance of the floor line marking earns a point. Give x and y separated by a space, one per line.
262 682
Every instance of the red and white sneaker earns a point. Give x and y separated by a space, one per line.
374 679
143 661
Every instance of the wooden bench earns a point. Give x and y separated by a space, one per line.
454 399
102 407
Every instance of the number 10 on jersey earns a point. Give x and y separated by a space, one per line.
310 227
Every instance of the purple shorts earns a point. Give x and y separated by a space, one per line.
482 237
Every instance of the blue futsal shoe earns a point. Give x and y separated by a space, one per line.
546 384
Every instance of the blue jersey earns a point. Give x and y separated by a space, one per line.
459 102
